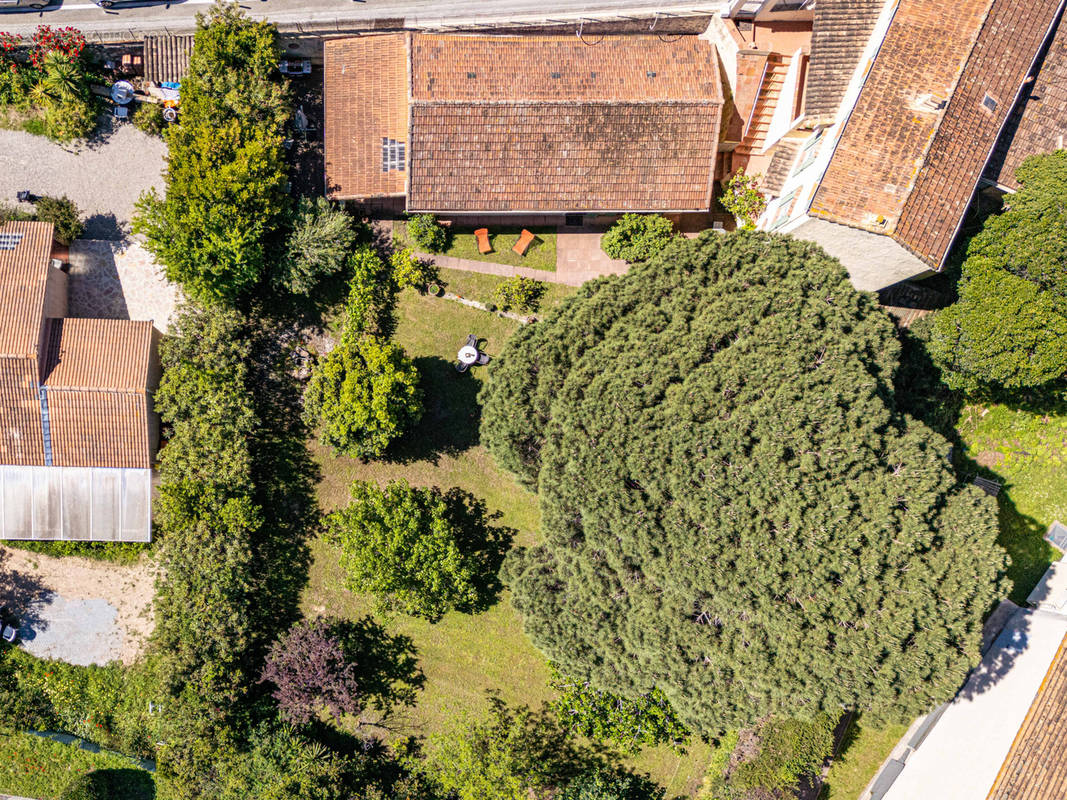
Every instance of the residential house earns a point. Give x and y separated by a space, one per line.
76 427
894 120
476 124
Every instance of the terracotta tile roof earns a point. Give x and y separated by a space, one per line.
98 354
758 122
548 123
166 58
1003 55
559 68
588 156
98 428
1039 122
1036 765
20 413
25 248
918 138
781 163
366 91
883 143
530 123
839 33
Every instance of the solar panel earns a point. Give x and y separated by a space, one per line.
9 241
1057 535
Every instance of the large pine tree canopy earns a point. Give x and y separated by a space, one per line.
733 509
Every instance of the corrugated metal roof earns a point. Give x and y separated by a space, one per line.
166 58
25 248
75 503
98 354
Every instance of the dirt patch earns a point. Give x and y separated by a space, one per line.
129 589
989 458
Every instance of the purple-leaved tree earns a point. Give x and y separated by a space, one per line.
311 671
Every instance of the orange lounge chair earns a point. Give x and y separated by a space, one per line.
525 240
482 235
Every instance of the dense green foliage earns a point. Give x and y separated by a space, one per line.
509 754
63 214
637 237
363 395
90 786
418 550
428 233
734 511
785 751
518 293
149 118
647 720
317 246
215 229
602 784
411 271
1009 327
744 199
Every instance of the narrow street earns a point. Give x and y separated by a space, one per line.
181 16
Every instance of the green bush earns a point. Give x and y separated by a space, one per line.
1009 326
320 240
410 270
788 750
364 394
428 233
90 786
63 214
632 722
605 784
519 293
637 237
149 118
743 199
418 550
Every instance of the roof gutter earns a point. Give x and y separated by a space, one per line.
1042 50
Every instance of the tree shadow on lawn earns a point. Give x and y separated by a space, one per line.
388 672
451 417
122 784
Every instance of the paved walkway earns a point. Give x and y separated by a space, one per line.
578 259
114 280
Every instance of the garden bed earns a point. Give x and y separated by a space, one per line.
540 255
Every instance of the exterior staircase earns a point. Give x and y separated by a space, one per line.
759 121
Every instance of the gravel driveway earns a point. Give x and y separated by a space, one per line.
104 177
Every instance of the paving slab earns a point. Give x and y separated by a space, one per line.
79 631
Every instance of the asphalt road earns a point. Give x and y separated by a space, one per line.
180 16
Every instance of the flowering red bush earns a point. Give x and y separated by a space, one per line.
68 41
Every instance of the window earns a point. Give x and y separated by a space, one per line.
9 241
392 155
810 151
989 104
781 211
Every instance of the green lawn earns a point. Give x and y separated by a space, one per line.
479 286
1027 451
31 766
462 655
864 752
540 255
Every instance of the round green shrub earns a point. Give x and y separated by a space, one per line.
63 214
428 233
149 118
90 786
637 237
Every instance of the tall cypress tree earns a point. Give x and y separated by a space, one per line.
734 512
